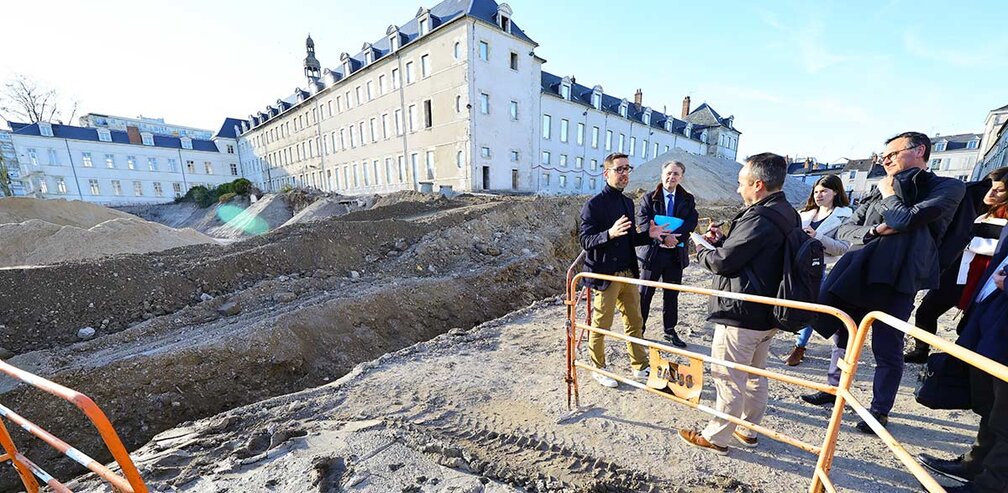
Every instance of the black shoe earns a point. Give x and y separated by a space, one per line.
952 469
919 355
674 339
960 488
819 398
881 418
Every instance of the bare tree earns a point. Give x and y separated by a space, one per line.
28 100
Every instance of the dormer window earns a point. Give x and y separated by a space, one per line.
688 130
939 146
424 26
186 143
504 17
147 138
104 135
424 21
623 109
596 98
368 53
45 129
973 144
393 34
647 117
565 88
345 59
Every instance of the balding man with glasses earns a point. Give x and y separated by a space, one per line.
609 236
894 235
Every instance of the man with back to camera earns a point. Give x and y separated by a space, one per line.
608 236
750 260
666 259
894 234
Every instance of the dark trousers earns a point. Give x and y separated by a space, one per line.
938 301
887 346
666 267
988 458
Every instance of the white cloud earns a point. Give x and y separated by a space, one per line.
985 54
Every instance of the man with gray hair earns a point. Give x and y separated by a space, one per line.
750 260
667 258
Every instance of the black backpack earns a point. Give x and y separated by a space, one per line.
804 266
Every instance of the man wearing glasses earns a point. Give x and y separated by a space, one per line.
608 236
895 234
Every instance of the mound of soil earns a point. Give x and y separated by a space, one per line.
60 212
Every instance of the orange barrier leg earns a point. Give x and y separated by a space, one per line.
30 484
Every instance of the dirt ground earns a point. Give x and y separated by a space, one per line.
485 410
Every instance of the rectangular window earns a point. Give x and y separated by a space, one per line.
545 157
409 72
177 189
411 112
33 157
384 126
484 51
608 140
485 152
622 140
152 163
381 84
339 104
137 188
577 182
191 167
157 189
643 149
53 160
350 131
110 161
131 162
373 123
563 160
594 142
360 133
147 139
633 145
93 185
398 122
545 179
546 124
342 139
563 129
402 168
514 156
514 179
580 134
388 170
428 117
116 187
395 78
369 89
594 166
655 153
591 183
485 103
425 66
366 173
86 160
357 94
514 110
207 167
61 185
429 162
562 181
234 169
514 61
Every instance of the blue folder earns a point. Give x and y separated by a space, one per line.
671 223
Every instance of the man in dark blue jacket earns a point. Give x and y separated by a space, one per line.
608 236
750 260
984 469
895 235
666 259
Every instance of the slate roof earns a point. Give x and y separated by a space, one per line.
955 142
440 14
874 170
706 115
118 137
582 94
227 129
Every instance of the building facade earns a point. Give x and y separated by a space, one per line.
8 158
456 99
992 145
156 126
861 176
113 167
954 156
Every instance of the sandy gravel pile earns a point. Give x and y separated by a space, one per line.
60 212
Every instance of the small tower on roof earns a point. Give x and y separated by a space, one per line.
312 67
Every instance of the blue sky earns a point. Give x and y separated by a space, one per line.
828 79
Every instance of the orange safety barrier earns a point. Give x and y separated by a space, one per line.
820 479
28 470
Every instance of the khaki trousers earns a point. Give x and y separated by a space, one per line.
739 393
626 298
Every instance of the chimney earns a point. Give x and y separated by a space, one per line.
685 107
808 164
134 135
637 99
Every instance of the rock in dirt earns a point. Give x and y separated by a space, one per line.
284 297
230 308
205 297
86 333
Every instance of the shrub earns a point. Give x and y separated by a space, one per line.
201 195
241 186
225 198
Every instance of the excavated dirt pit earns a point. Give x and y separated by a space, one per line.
195 331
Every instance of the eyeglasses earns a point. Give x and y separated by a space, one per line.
623 170
888 157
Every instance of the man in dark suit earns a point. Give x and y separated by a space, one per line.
608 236
666 259
984 468
895 235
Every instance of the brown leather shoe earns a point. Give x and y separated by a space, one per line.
697 440
745 441
796 356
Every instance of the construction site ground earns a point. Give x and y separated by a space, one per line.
381 350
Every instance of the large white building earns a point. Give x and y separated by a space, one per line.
994 144
954 156
156 126
456 98
115 167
